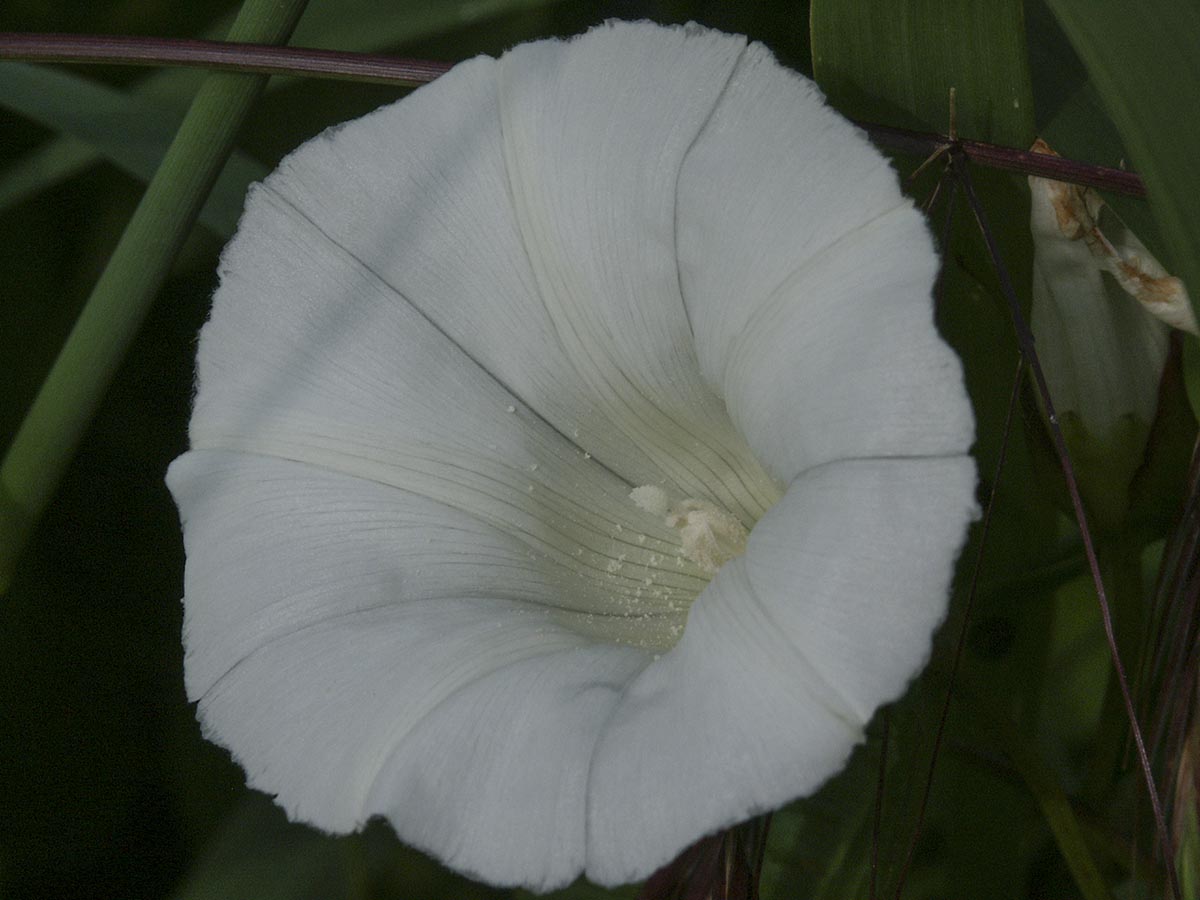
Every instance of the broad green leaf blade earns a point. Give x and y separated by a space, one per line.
369 25
158 103
1142 58
894 62
131 131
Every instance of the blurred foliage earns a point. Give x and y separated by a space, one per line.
106 787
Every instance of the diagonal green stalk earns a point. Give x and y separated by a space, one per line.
1056 808
64 406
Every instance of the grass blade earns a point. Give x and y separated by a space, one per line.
1056 808
46 440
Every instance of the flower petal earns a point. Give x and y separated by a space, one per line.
362 650
854 566
784 659
1102 353
411 586
480 714
310 357
593 159
806 275
276 546
495 780
433 219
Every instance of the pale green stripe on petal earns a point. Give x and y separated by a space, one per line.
593 162
370 388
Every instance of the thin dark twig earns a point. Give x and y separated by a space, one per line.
883 755
1026 343
939 286
1174 609
972 592
1009 159
221 55
351 66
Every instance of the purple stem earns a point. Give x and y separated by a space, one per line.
1009 159
222 55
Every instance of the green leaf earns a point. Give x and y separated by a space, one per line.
371 25
258 855
894 62
131 131
1057 809
1142 59
1187 857
50 164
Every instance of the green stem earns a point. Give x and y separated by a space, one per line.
1056 808
47 438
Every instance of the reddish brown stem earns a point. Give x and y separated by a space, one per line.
221 55
1008 159
142 51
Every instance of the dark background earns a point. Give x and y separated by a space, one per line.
107 789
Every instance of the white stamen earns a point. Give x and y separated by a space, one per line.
711 536
651 499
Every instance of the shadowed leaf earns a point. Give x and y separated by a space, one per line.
132 132
895 62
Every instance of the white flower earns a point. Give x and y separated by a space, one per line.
496 378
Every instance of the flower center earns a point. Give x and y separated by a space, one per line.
659 563
636 584
710 536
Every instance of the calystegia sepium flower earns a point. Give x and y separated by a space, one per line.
575 465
